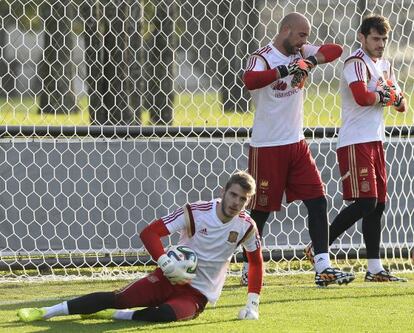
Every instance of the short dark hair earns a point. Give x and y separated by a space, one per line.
375 22
244 179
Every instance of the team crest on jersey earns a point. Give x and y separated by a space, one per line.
233 237
262 200
279 85
363 172
264 184
365 186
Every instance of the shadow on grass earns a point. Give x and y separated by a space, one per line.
34 303
410 292
75 324
323 297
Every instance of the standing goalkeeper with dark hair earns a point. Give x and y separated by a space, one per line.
368 84
279 157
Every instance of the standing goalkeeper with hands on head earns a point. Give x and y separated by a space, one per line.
368 85
279 157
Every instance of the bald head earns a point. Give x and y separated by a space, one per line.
293 33
294 19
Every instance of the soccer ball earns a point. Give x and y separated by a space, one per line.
182 252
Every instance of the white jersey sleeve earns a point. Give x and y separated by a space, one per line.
252 241
255 63
175 221
309 50
355 70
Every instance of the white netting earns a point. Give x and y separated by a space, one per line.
79 201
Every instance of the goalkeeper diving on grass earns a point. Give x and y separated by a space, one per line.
213 230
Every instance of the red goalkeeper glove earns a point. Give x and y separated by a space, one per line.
296 67
386 93
399 97
300 77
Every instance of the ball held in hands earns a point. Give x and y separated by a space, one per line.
178 264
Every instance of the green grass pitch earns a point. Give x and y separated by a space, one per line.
289 303
321 110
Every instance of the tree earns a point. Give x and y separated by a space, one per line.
57 70
237 38
7 70
159 65
110 56
230 66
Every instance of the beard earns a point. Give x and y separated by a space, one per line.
289 47
375 53
223 210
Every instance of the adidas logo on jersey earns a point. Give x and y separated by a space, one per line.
204 231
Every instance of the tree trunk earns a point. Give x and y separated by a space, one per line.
230 66
249 44
361 11
8 69
109 57
159 70
92 12
135 58
117 56
251 26
57 70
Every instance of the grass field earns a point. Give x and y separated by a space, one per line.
197 110
288 304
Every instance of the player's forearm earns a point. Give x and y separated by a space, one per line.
255 276
328 53
362 96
259 79
151 238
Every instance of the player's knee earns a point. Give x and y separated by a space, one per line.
163 313
366 205
316 205
379 209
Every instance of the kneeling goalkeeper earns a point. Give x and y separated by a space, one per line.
213 229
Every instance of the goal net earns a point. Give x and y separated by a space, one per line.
114 113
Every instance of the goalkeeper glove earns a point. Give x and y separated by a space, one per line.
300 77
386 94
398 100
399 97
298 66
251 310
175 271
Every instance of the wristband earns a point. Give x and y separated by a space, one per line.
283 71
313 60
